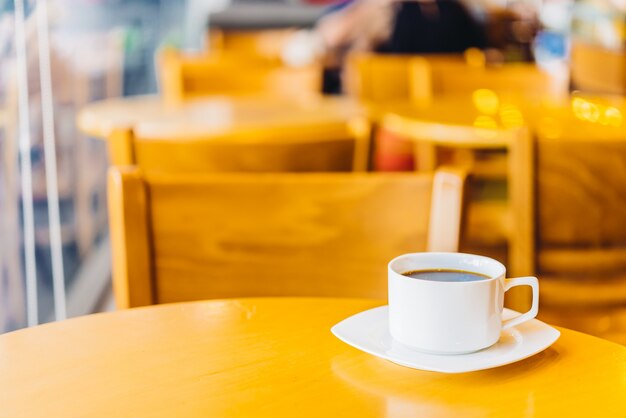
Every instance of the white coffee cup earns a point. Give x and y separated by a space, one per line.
451 317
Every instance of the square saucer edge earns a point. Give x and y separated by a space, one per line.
351 331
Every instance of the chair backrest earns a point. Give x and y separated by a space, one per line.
515 78
258 150
264 43
597 69
581 218
392 77
383 77
183 238
386 77
187 76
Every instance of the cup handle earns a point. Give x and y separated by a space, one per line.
534 309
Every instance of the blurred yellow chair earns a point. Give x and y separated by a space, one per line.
218 236
489 218
381 77
419 78
186 76
387 77
578 226
518 79
265 43
597 69
258 150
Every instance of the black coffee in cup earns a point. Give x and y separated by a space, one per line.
444 275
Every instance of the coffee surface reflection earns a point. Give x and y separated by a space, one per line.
444 275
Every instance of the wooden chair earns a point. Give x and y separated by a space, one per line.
578 228
184 238
378 77
516 79
419 78
265 43
489 218
187 76
596 69
388 77
286 149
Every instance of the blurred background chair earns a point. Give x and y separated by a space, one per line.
518 79
381 77
597 69
579 233
375 78
184 76
185 238
265 44
256 150
418 78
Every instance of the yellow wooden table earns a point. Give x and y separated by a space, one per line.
277 357
219 115
576 116
151 117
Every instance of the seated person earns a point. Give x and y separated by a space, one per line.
432 26
391 26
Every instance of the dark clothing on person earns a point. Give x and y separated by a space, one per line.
441 26
331 81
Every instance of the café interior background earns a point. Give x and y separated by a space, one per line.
58 55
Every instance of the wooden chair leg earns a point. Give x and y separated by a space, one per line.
521 201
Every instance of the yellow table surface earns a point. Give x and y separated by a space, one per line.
277 357
151 117
578 117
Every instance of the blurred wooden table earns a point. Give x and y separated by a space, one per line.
577 116
151 117
220 115
277 357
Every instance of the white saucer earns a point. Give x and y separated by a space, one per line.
368 331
